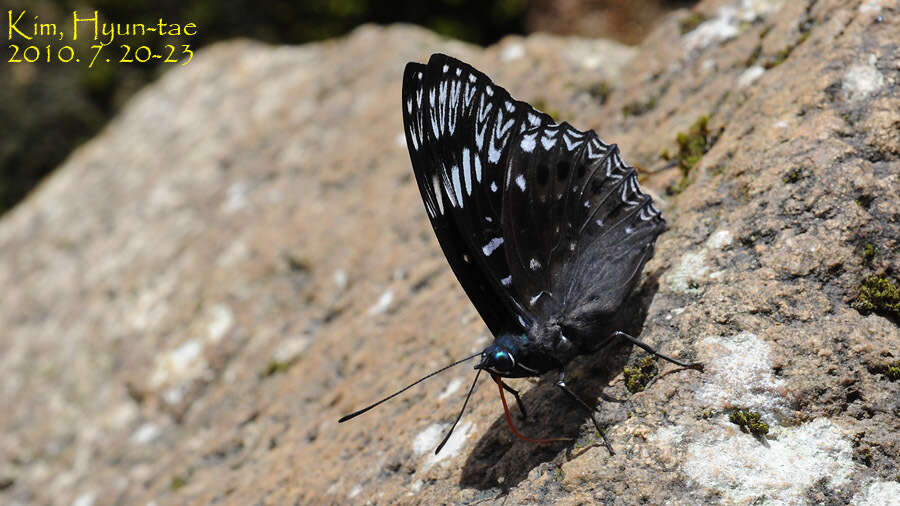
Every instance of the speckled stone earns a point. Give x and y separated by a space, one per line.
193 299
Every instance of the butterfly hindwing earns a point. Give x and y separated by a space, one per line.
615 240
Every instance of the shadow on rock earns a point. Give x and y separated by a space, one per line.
500 459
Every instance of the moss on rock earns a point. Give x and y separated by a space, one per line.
691 147
637 378
878 294
690 22
749 421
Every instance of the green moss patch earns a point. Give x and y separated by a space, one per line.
793 175
636 378
275 367
878 294
692 145
600 91
638 108
783 54
893 371
178 482
690 22
867 251
749 422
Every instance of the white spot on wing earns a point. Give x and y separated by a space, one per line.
571 145
484 108
478 169
493 187
467 170
470 93
437 193
520 181
493 153
548 142
506 281
491 246
500 130
528 142
457 186
455 88
534 264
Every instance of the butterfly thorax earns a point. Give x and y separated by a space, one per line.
543 348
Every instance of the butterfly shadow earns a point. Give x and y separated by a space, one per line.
500 459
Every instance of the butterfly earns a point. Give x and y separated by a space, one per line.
544 226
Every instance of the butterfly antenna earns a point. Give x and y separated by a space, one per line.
395 394
509 419
447 437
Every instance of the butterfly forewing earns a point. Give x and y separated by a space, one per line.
536 218
450 123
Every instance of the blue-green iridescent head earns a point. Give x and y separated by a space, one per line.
502 357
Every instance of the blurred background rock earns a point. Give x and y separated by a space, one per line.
49 109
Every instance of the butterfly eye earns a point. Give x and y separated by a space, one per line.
503 361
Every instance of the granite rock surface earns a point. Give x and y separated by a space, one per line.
193 299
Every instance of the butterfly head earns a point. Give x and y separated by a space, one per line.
502 357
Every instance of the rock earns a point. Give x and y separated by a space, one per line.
627 22
263 195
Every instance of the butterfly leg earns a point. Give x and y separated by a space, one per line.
649 349
561 383
518 401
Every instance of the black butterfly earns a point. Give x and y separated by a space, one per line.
544 225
